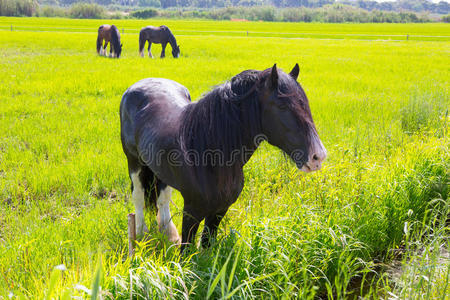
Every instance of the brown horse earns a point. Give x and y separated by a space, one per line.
200 148
110 34
158 35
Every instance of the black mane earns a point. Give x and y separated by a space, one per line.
171 37
227 122
115 39
224 120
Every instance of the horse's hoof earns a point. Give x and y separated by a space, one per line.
175 239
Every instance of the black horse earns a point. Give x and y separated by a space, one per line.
158 35
110 34
200 148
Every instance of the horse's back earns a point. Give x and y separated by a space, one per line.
155 34
157 90
104 32
149 29
104 27
154 104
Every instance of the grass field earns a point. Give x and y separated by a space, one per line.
380 104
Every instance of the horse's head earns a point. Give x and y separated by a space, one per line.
286 118
176 51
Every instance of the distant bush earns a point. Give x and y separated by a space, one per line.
336 13
17 8
446 19
149 3
145 13
115 15
51 11
86 11
265 13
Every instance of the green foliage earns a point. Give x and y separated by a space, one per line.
65 191
86 11
149 3
18 7
336 13
145 13
51 11
441 8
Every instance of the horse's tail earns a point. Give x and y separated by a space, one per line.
141 42
99 43
99 39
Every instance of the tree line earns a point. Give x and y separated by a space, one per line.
331 12
399 5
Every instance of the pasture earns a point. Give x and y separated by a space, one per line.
380 104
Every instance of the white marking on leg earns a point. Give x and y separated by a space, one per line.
139 203
165 223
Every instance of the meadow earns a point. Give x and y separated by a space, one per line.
380 104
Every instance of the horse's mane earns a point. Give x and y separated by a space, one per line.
222 121
172 39
115 38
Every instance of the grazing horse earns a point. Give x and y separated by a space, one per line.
200 148
158 35
110 34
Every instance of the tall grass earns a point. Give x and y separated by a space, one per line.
425 112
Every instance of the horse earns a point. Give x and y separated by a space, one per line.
200 148
109 33
158 35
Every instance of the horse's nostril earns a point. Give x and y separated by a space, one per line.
315 157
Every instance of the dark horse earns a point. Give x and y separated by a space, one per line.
110 34
200 148
158 35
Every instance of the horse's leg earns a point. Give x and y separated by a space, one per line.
210 230
163 51
111 52
138 196
165 223
141 47
104 47
101 48
157 193
191 222
150 49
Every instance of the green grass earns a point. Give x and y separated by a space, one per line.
431 31
381 109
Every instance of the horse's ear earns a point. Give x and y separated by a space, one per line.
295 71
121 45
272 81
